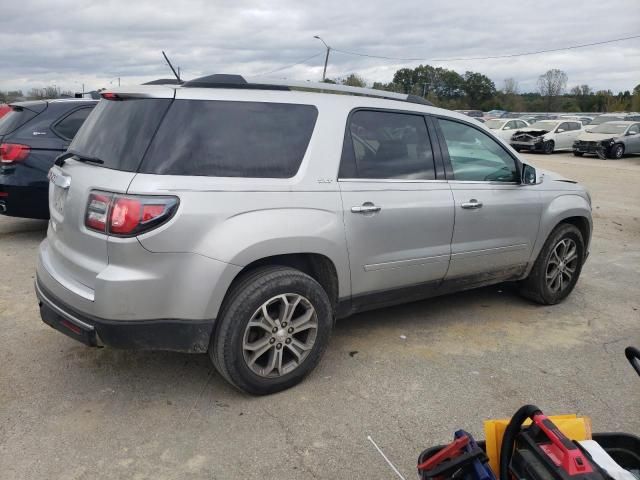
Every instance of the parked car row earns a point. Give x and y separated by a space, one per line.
244 221
32 135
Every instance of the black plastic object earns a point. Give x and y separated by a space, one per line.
633 355
222 80
624 448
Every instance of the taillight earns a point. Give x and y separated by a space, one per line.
98 211
127 215
13 152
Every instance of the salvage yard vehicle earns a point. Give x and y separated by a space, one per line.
609 140
611 117
504 127
32 135
547 136
243 217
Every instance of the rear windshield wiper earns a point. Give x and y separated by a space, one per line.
80 158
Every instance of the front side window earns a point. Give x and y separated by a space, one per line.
387 145
564 127
634 129
475 156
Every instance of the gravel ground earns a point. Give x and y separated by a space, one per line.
408 376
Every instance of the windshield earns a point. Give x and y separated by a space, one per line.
494 124
118 132
605 118
610 128
15 119
544 125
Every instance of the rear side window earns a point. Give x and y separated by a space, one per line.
118 132
231 139
69 125
15 119
387 145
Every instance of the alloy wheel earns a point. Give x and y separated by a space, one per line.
280 335
562 265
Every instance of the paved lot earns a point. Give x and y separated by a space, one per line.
69 412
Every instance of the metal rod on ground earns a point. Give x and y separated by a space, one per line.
393 467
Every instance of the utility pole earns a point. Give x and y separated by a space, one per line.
326 58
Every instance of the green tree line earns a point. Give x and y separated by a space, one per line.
472 90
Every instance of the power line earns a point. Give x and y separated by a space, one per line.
293 64
347 52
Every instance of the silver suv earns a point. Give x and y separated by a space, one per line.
241 218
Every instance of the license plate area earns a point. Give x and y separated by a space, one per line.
59 199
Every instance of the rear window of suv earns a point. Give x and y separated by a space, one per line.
231 139
15 119
118 132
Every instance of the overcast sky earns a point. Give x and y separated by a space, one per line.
67 43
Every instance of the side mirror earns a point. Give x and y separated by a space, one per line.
529 176
507 128
560 130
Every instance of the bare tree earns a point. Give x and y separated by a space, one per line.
551 85
510 86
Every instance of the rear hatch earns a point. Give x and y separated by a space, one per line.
20 114
104 156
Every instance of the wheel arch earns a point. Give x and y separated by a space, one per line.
573 209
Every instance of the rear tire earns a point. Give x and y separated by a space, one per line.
557 268
548 147
281 312
578 154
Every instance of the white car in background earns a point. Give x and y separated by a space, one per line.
504 127
547 136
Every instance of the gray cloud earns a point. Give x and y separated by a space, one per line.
66 43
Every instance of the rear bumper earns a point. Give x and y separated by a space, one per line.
23 201
190 336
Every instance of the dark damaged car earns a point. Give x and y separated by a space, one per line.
547 136
609 140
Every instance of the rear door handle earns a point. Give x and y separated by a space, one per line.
366 207
472 204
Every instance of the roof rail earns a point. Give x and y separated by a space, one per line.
261 83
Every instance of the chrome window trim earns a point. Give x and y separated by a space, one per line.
387 180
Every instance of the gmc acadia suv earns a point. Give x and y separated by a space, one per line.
241 218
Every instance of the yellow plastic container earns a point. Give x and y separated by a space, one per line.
574 427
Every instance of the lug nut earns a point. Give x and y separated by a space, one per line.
290 330
274 329
272 340
279 346
287 341
284 324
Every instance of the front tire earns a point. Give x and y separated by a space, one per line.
617 151
548 147
274 327
557 268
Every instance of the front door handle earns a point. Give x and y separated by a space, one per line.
472 204
366 207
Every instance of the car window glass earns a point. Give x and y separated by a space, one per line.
576 126
563 126
69 125
634 129
475 156
231 139
387 145
510 125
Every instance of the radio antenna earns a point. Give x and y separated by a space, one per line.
171 67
